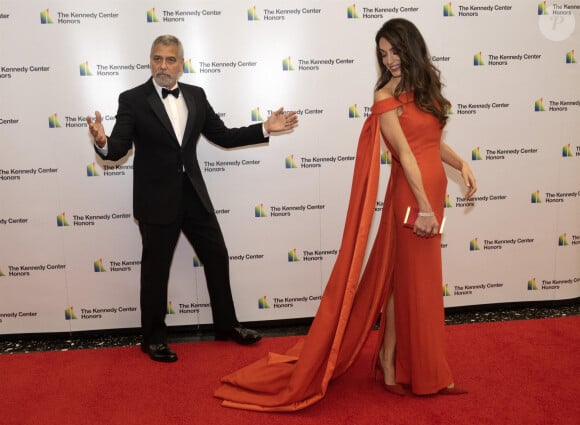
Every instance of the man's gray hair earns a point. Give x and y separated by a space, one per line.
169 40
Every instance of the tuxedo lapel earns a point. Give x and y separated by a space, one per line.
159 110
191 112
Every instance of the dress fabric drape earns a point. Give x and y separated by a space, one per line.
350 305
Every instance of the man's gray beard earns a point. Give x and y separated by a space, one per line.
165 81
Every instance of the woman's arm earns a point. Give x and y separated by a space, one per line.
449 157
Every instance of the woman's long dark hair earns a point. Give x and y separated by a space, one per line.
418 74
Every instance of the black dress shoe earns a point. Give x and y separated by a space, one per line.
159 352
240 335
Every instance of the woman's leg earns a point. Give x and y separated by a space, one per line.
387 351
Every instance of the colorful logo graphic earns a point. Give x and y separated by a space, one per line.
473 245
61 220
45 17
53 121
151 16
542 9
539 105
292 256
252 14
2 273
476 154
256 116
353 111
351 12
188 67
259 211
262 303
532 286
287 64
447 10
386 158
170 308
535 199
478 59
447 202
446 292
98 266
84 70
289 161
69 313
567 151
562 241
570 57
197 262
92 170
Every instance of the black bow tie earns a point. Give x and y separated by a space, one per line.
174 92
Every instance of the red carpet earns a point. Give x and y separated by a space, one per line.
520 372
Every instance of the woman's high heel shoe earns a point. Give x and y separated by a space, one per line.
396 389
454 390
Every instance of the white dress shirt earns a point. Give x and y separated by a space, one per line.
176 110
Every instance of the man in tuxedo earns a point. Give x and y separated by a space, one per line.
163 120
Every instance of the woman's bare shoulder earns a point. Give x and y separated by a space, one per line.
382 94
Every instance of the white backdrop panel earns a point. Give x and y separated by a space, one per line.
70 248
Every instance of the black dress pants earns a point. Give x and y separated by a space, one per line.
202 230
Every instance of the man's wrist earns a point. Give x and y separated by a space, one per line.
265 131
103 149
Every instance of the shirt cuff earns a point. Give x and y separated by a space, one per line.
266 134
104 150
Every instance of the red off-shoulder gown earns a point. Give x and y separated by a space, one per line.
399 261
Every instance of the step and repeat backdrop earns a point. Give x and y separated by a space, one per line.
70 248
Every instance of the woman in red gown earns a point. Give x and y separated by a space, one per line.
415 112
402 276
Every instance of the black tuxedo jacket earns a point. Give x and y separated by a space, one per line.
159 159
